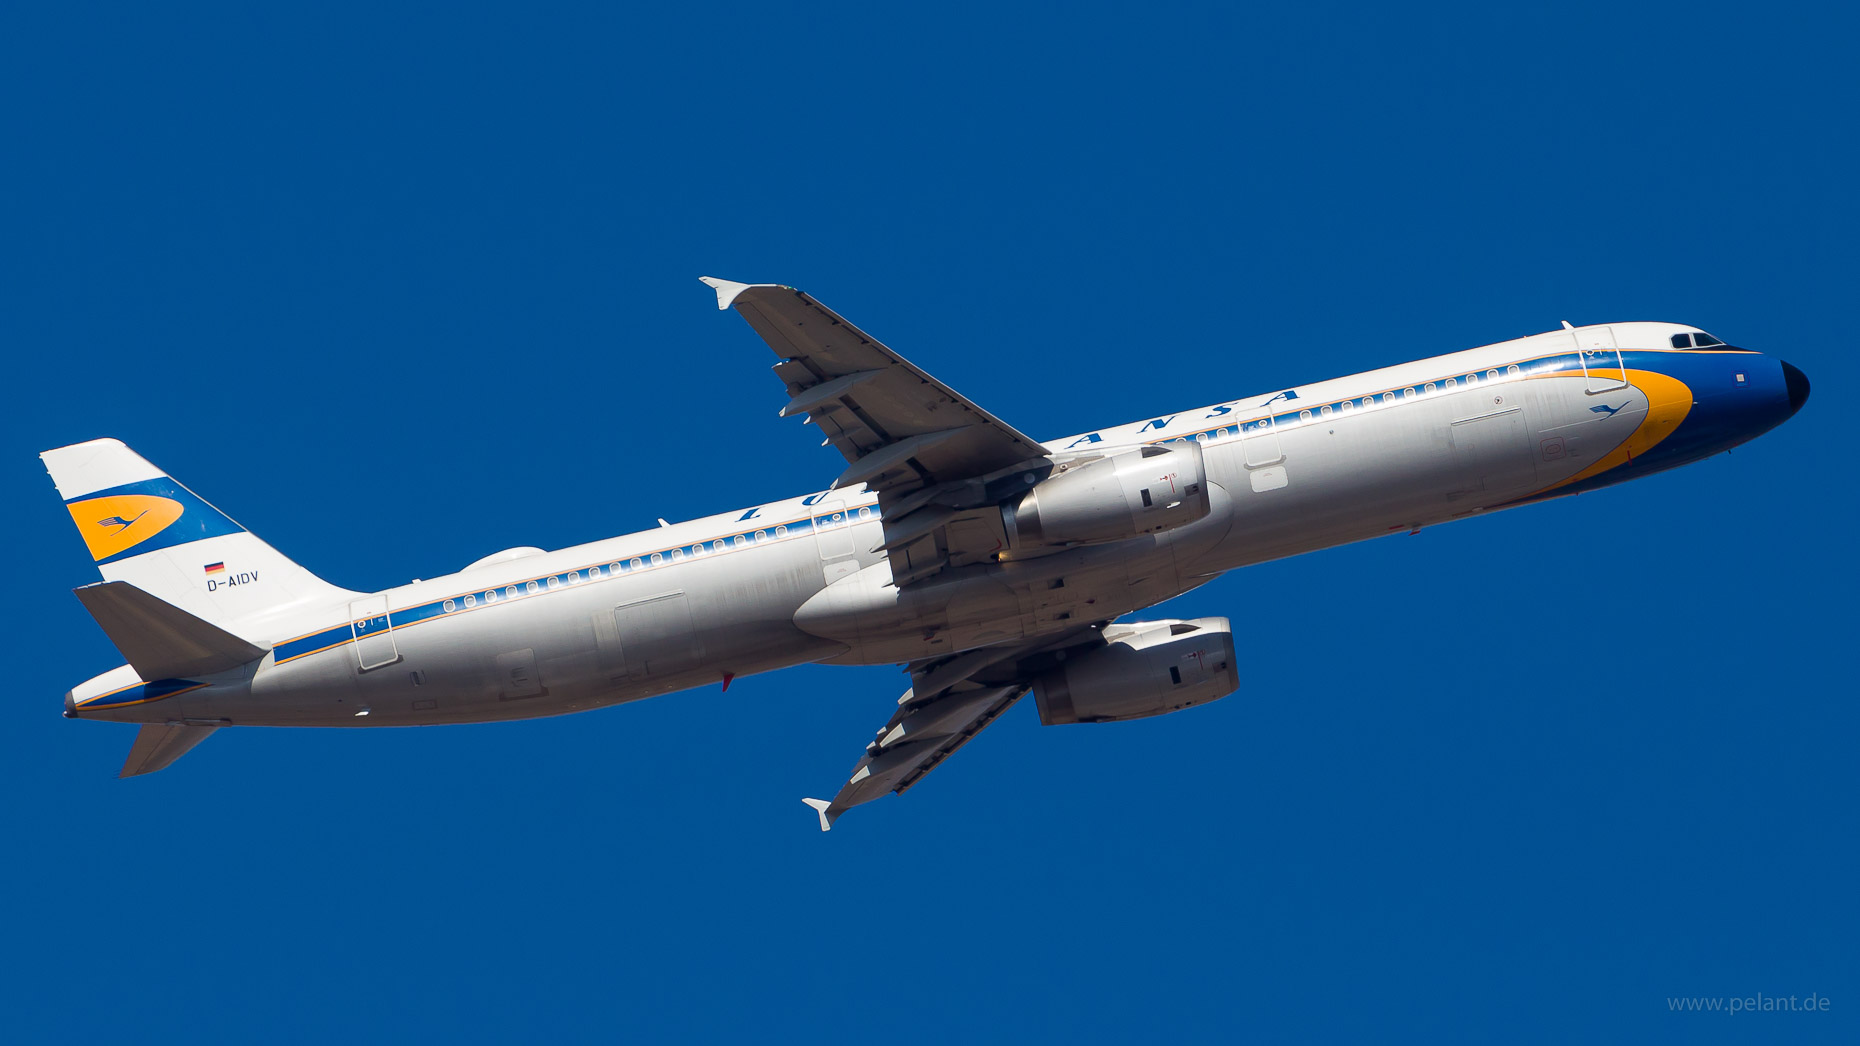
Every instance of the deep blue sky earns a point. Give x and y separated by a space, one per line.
398 288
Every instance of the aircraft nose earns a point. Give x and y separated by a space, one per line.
1798 387
70 705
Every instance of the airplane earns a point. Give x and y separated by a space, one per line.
990 564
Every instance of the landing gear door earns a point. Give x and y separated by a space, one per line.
1601 360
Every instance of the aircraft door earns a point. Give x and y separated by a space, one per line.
1601 360
1259 443
372 628
833 535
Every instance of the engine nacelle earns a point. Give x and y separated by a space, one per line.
1137 491
1145 668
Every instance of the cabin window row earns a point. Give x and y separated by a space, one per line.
1388 398
676 555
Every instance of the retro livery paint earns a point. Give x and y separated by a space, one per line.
529 633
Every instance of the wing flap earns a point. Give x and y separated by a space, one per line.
951 699
915 742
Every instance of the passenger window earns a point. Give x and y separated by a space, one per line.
1450 384
491 596
1391 397
510 592
781 531
1407 394
741 541
1682 341
678 555
450 606
657 559
471 601
636 563
719 545
1304 415
555 582
529 586
1324 412
1512 370
1491 375
1430 386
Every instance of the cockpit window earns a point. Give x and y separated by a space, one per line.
1703 340
1682 341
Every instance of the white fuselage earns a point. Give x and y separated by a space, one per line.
800 581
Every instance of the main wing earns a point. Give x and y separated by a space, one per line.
951 699
899 428
925 449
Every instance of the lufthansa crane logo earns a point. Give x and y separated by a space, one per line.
1603 408
120 523
116 523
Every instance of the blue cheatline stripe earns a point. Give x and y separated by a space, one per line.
1311 412
198 520
142 693
544 584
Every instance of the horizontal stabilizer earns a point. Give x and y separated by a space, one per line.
159 639
159 744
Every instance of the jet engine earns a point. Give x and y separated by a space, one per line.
1145 668
1142 490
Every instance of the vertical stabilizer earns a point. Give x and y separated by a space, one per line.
143 527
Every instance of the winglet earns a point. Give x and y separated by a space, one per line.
726 290
820 807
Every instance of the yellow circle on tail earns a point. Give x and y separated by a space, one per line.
119 523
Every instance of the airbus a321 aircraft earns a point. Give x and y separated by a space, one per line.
990 563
